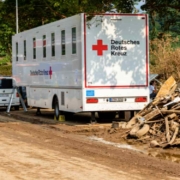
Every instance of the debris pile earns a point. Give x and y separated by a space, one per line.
159 122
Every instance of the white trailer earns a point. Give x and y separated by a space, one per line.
85 64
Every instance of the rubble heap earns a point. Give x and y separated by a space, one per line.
159 121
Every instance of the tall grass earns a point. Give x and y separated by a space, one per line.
164 58
5 66
6 60
6 70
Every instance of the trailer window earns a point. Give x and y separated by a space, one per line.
16 51
34 48
6 84
74 40
44 46
24 49
53 44
63 49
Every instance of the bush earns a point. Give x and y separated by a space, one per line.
6 70
5 60
164 58
2 51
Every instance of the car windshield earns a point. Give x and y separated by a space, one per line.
6 84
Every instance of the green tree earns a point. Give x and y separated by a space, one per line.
33 13
164 17
6 31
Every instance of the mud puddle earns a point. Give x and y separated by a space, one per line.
172 155
166 154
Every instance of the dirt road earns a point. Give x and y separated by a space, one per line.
59 152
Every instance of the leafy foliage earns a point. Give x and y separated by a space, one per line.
164 34
2 51
5 60
164 17
33 13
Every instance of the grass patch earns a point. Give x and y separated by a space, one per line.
6 70
6 60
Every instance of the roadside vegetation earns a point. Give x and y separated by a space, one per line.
6 70
165 57
5 65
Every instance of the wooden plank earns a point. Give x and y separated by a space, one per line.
174 135
166 87
170 111
173 89
167 129
154 121
172 116
151 115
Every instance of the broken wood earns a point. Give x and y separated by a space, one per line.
154 121
166 88
152 114
172 116
160 119
174 135
170 111
167 129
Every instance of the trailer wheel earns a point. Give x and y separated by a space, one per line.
56 109
106 115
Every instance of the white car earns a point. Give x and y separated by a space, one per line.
6 89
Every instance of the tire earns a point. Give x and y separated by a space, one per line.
16 108
107 115
134 130
139 130
143 130
56 109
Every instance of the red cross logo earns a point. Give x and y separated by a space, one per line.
99 47
50 72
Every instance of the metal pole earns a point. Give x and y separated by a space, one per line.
21 99
17 17
10 102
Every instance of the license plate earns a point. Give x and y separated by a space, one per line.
118 99
4 95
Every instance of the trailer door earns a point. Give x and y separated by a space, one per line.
116 51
